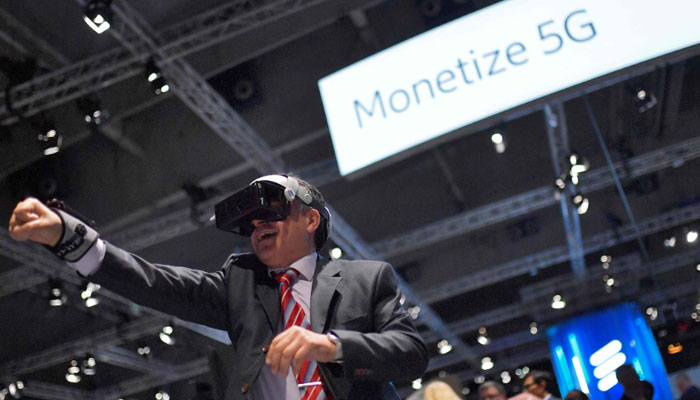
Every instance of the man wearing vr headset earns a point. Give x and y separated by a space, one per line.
349 326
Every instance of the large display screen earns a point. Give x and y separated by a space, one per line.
488 62
587 349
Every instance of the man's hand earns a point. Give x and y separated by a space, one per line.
296 345
32 220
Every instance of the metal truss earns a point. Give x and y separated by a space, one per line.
558 136
135 385
555 255
95 342
51 391
93 74
628 265
128 359
670 156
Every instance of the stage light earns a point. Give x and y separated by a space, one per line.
56 296
336 253
417 384
691 236
558 302
499 141
578 164
92 110
643 99
161 395
483 337
50 141
155 78
98 15
605 258
414 312
581 203
479 379
652 312
486 363
73 373
697 267
670 242
444 346
533 328
166 335
466 390
144 351
505 377
88 294
14 390
89 365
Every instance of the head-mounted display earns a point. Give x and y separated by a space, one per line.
268 199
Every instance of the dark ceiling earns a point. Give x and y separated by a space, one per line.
477 235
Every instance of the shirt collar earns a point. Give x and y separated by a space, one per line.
305 265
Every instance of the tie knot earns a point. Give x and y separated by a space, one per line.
287 277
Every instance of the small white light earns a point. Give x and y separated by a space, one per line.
605 265
168 330
402 300
497 138
152 76
691 236
164 88
670 242
486 363
526 370
466 390
417 384
505 377
642 94
336 253
533 328
72 378
557 302
444 346
99 28
479 379
99 19
610 282
605 258
697 267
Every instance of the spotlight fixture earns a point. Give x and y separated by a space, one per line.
13 390
483 338
88 294
50 141
652 313
98 15
336 253
691 236
144 350
92 110
499 141
643 99
505 377
417 384
89 364
155 78
73 373
533 328
444 346
161 395
479 379
581 203
166 335
670 242
56 296
558 302
486 363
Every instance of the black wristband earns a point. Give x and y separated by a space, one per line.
76 239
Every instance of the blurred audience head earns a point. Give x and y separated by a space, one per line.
492 390
575 394
439 390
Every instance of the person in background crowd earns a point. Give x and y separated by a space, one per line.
686 388
575 394
492 390
635 389
439 390
539 383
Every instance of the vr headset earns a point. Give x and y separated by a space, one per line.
268 198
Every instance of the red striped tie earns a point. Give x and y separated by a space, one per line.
293 314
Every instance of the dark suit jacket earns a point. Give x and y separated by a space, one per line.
357 300
692 393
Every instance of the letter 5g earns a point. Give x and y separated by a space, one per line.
575 30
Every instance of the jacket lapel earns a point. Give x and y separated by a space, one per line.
267 292
326 279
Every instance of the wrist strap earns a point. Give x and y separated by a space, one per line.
76 239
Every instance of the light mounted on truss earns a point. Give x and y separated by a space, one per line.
98 15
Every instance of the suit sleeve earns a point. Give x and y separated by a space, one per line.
190 294
395 350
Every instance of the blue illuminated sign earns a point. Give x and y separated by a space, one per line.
587 349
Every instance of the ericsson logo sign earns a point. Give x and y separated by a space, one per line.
606 360
489 62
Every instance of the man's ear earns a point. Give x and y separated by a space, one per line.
314 221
